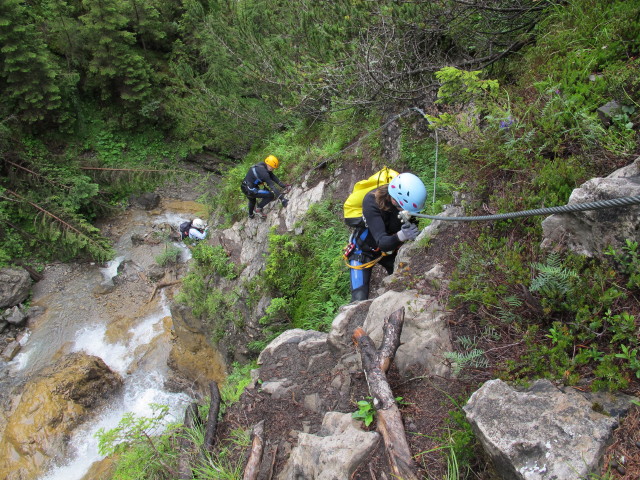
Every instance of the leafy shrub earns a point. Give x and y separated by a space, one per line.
593 335
307 269
143 445
487 272
628 261
215 306
235 383
169 256
366 412
213 259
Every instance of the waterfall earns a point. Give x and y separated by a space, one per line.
140 389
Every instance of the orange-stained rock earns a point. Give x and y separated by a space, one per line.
51 405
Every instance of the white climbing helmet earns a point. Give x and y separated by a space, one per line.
409 191
199 224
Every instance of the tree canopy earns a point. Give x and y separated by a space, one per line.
218 75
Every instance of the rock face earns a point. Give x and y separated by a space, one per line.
591 232
333 453
538 434
191 354
51 405
249 239
14 286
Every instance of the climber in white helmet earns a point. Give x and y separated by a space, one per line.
198 230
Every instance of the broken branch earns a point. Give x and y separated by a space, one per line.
160 286
253 464
375 363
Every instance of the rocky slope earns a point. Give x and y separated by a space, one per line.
309 382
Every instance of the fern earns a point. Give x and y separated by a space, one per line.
506 314
473 356
553 280
459 360
467 342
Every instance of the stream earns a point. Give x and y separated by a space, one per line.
113 312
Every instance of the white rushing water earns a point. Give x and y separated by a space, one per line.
77 319
140 390
111 270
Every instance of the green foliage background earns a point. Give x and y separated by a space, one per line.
139 86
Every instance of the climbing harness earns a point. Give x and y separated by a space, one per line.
576 207
354 254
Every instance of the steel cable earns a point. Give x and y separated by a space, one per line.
576 207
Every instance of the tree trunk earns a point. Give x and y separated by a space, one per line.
375 363
160 286
212 419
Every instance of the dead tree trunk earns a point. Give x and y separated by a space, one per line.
35 276
212 419
160 286
255 456
375 363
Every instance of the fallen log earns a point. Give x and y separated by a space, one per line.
375 363
35 276
252 468
273 461
212 418
160 286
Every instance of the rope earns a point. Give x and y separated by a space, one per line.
576 207
363 265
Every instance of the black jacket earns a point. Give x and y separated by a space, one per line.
259 174
383 225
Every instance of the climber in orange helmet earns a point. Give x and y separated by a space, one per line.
260 182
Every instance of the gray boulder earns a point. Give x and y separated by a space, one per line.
15 285
303 339
333 453
609 110
348 319
590 233
15 316
10 351
425 334
538 434
146 201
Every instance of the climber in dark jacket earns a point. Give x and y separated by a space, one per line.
261 182
384 231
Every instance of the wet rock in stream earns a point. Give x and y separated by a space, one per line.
56 400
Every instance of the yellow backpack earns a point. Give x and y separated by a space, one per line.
353 204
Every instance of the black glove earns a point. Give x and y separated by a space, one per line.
409 231
284 202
